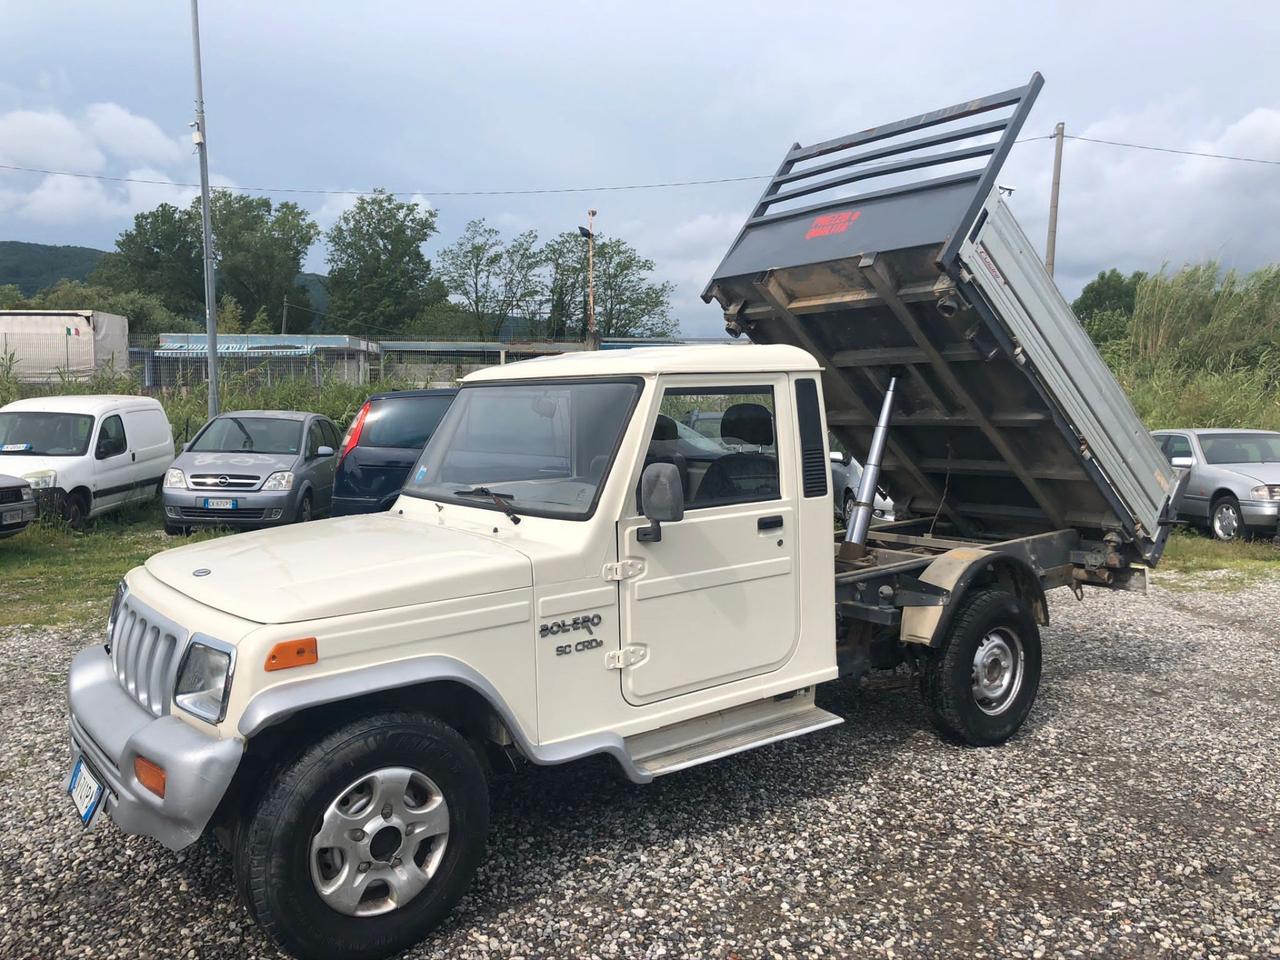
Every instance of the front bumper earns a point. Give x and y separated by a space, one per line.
1261 514
26 512
111 730
254 508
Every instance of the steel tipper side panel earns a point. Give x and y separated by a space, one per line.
1003 266
853 253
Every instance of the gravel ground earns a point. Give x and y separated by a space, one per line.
1136 815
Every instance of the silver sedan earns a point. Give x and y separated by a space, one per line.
1234 487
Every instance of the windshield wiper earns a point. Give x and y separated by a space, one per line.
503 500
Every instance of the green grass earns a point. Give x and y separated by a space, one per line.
1203 563
53 575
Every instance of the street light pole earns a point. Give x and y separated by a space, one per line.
202 147
593 335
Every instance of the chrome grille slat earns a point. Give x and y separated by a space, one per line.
145 650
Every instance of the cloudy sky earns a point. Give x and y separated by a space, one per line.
504 96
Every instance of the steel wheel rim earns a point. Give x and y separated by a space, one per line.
1226 524
379 842
999 664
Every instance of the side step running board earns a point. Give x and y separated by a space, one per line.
722 734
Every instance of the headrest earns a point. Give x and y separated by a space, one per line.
665 428
747 423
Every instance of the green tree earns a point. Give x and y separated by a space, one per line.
1109 290
162 255
565 257
261 322
10 296
497 282
147 315
230 315
379 277
628 303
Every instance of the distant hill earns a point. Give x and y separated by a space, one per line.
34 266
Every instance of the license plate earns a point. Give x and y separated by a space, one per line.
219 504
85 791
11 516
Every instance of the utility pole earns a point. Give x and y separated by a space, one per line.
284 316
1051 245
593 335
202 147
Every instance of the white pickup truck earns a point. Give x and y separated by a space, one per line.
566 574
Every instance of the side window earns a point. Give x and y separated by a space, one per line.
722 441
111 441
1176 446
330 433
315 439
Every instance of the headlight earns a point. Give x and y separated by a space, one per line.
279 481
41 479
1269 492
175 478
115 612
204 679
27 493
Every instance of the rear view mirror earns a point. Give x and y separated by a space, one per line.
1181 461
663 499
325 452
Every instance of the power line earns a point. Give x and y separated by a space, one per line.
1185 153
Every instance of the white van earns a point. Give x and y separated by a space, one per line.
85 455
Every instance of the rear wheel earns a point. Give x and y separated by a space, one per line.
360 847
980 684
1225 519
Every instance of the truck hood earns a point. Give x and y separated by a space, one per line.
19 464
329 568
242 462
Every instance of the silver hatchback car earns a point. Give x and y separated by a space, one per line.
253 468
1234 487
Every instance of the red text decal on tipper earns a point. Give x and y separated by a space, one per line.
829 223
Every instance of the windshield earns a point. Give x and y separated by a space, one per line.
545 448
1241 447
45 434
249 434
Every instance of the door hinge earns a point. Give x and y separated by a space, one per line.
623 570
626 657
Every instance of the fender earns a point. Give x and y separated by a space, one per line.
278 703
955 571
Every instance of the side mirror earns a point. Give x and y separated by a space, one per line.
1181 462
325 452
185 446
663 499
837 457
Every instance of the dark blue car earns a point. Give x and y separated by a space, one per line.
382 445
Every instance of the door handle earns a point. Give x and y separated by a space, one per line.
769 523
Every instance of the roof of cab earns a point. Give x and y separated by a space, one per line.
82 403
641 361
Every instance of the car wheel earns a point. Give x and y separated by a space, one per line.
361 846
304 508
174 530
1225 520
74 510
847 512
980 684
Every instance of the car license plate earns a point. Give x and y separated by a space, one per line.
219 504
85 790
11 516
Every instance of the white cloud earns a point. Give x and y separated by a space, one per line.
131 137
47 139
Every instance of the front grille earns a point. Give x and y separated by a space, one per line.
214 481
145 649
11 496
201 513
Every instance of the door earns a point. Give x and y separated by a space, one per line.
320 468
113 465
150 449
1194 501
716 600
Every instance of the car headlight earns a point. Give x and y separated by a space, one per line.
279 481
204 679
175 478
114 615
41 479
1267 492
27 493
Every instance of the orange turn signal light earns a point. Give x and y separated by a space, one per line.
292 653
149 774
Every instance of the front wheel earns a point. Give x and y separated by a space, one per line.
1225 519
304 509
980 684
360 847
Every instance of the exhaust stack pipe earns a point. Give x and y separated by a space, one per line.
860 522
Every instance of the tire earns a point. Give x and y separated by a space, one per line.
993 628
174 530
846 514
280 876
304 509
1226 522
74 511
